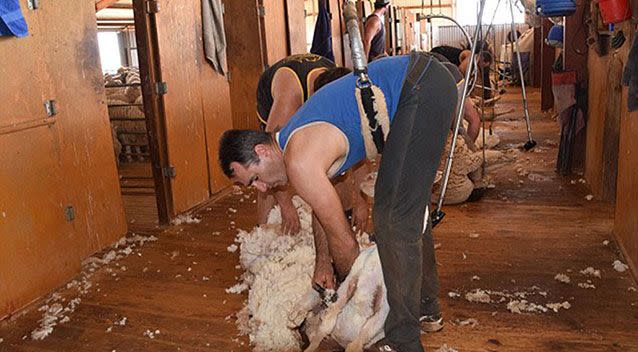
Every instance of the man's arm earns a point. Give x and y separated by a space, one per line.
473 119
287 99
372 27
309 155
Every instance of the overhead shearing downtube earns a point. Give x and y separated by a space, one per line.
359 64
437 215
531 143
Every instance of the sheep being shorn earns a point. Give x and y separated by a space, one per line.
278 274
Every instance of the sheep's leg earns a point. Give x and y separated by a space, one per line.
301 309
330 317
373 326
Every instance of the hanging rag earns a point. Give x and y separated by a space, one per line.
322 38
12 22
570 117
214 36
630 76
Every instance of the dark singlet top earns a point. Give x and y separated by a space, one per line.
451 53
301 65
377 46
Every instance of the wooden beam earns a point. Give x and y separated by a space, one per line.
102 4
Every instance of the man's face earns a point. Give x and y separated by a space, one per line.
269 172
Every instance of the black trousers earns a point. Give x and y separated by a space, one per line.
408 166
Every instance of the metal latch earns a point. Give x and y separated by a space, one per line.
152 6
50 107
69 213
261 11
161 88
33 4
169 171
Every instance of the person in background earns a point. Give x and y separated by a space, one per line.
374 31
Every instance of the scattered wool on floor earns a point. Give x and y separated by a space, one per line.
620 266
587 285
185 219
58 306
445 348
562 278
591 272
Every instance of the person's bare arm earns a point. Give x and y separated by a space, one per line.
287 99
324 273
464 60
473 119
372 27
310 153
360 209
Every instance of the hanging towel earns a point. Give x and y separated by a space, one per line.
11 20
214 35
630 75
322 38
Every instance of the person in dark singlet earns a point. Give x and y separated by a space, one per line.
300 71
374 31
281 91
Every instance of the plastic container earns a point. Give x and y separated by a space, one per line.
614 11
555 8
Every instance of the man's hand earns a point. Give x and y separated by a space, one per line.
324 273
289 219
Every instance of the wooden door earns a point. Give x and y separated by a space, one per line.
179 51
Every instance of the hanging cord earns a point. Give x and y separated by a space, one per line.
437 215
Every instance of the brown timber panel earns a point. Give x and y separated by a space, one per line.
626 220
216 112
296 26
49 168
598 69
244 60
337 33
179 54
275 35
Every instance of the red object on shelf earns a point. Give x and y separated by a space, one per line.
614 11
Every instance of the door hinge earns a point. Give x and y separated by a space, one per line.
50 107
69 213
33 4
152 6
169 171
223 9
261 11
161 88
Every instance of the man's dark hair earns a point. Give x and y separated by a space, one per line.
380 5
239 146
330 75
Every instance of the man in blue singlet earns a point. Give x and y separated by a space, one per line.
324 139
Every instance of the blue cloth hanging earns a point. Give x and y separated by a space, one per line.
11 20
322 38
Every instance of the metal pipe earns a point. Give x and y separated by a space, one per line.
359 61
437 215
530 141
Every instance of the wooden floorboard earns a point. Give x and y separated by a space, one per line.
529 231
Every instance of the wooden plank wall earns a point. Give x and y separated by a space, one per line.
626 221
45 169
245 60
296 26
